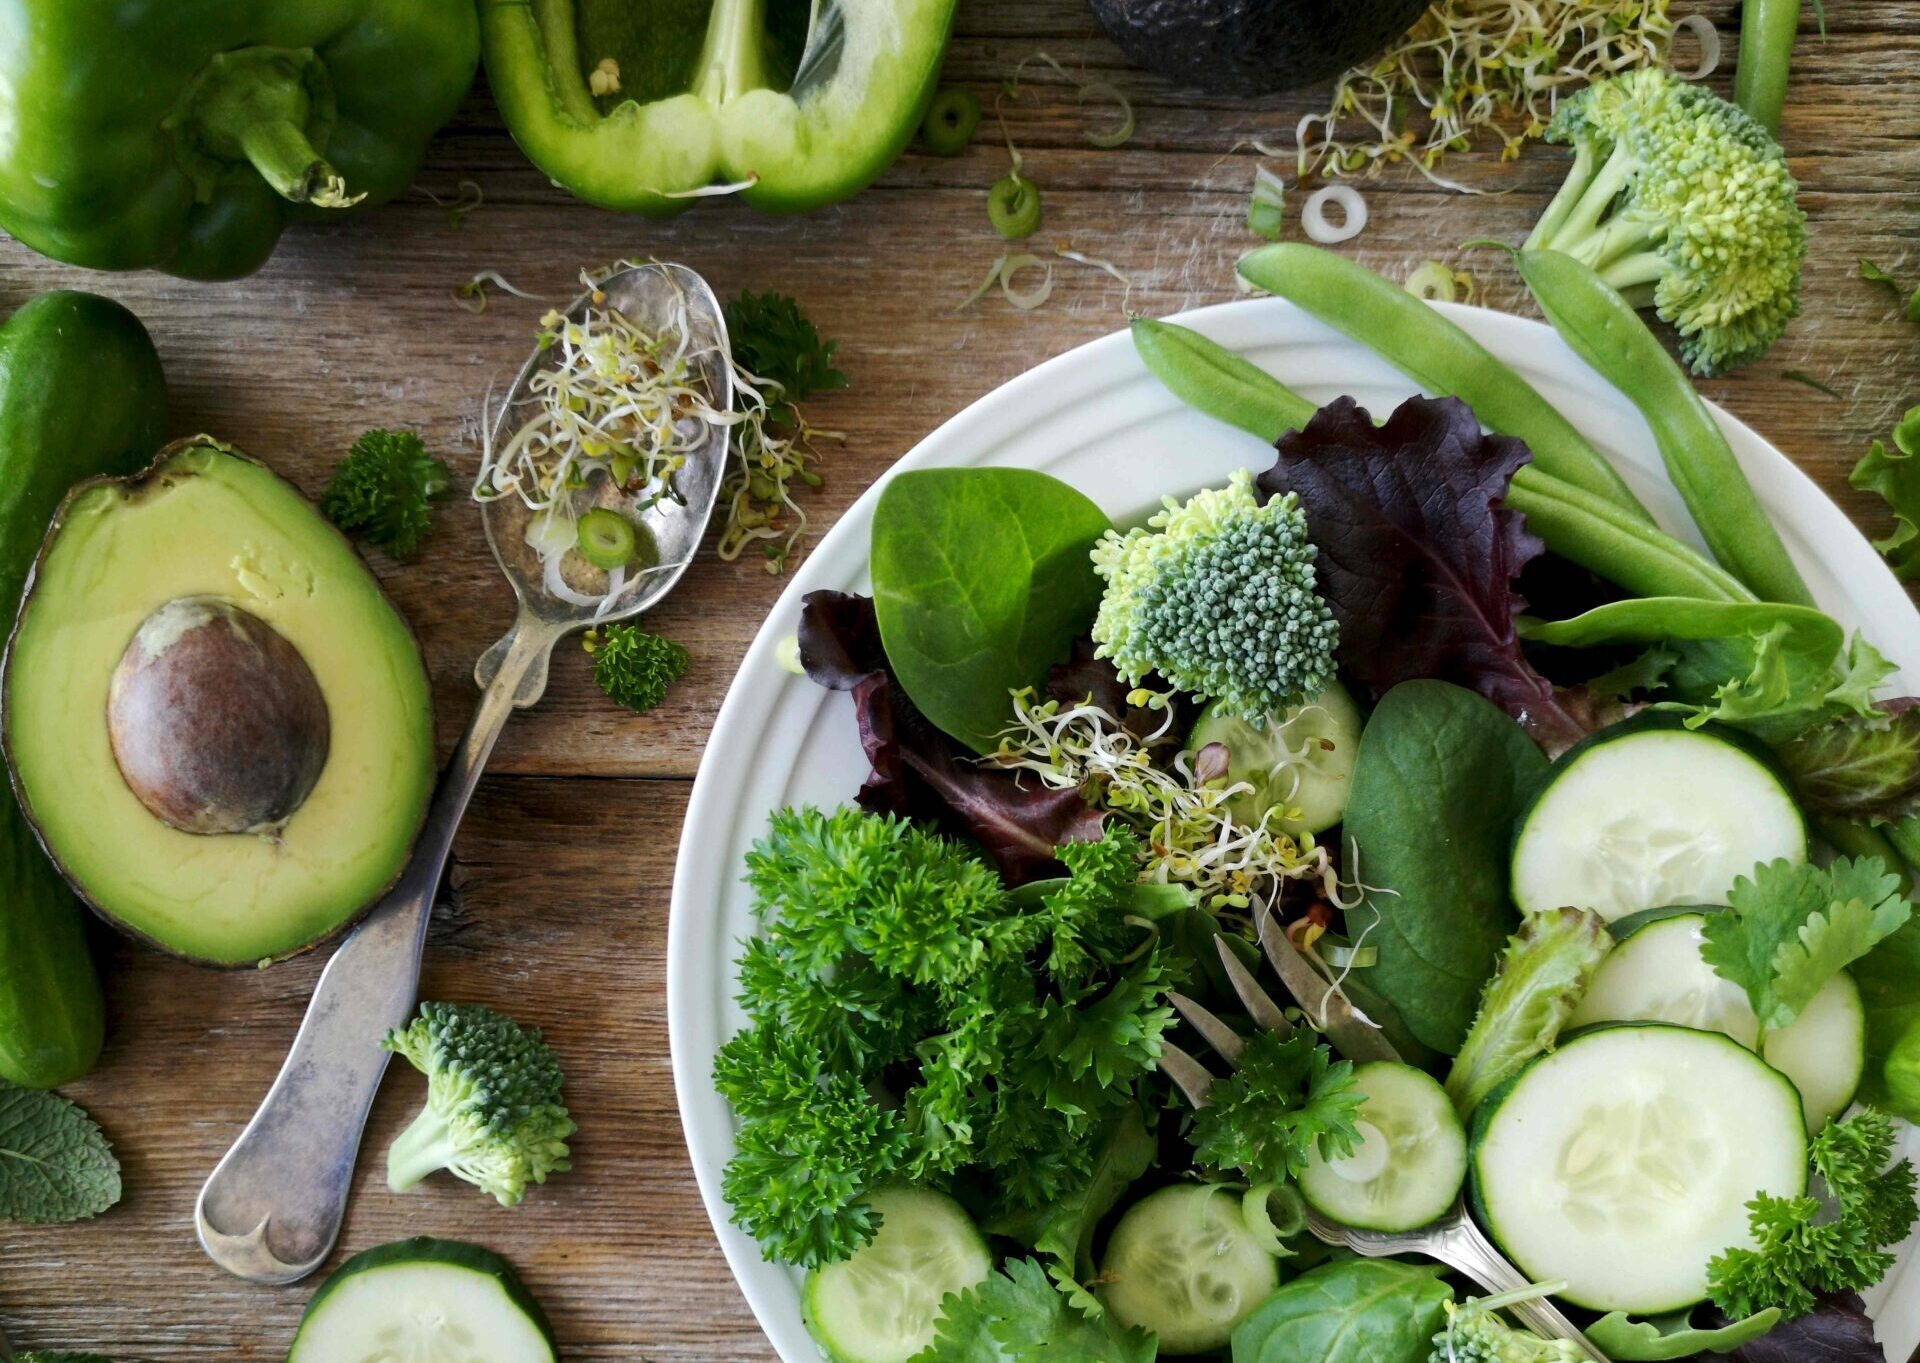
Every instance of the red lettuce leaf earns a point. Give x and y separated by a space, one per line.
920 773
1418 553
1838 1331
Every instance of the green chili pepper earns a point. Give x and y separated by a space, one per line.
1575 523
950 122
1604 330
184 138
1422 344
1013 207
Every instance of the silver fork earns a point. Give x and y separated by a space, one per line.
1453 1240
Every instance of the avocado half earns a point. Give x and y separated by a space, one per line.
217 723
1253 47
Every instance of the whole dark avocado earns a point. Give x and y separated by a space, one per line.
1253 47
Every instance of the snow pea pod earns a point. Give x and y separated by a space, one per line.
1604 330
1767 31
1422 344
1575 523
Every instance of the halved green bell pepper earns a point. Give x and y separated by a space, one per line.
642 104
184 137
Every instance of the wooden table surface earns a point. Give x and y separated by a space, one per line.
566 859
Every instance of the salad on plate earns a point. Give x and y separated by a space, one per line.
1402 844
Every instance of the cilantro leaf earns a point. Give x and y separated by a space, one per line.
1895 475
1016 1316
384 490
55 1164
1287 1097
1789 928
1802 1250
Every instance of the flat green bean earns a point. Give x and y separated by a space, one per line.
1422 344
1604 330
1573 522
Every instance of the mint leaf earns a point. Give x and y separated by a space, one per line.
1791 927
55 1165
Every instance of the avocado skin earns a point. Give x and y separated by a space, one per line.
1253 47
81 394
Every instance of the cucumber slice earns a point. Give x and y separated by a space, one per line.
1650 813
1182 1264
1656 974
1411 1161
1301 764
426 1301
881 1305
1623 1162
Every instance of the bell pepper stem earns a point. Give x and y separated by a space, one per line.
287 161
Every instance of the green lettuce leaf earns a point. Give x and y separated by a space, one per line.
1791 927
1895 475
1629 1340
1861 770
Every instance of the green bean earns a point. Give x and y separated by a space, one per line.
1864 840
1604 330
1767 31
1422 344
1574 523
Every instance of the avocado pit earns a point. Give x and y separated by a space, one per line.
216 722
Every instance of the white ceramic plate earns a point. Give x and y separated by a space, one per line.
1095 418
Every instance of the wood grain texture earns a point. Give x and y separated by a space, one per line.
566 861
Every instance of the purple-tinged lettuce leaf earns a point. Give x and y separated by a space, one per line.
1864 770
920 773
1419 553
1838 1331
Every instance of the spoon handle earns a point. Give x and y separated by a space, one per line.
1460 1245
271 1210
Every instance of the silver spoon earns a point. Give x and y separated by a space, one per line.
271 1210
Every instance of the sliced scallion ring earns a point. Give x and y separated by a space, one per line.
950 122
605 539
1266 209
1313 217
1013 207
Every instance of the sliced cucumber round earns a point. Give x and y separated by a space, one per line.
1655 973
1623 1162
1300 766
1649 813
1411 1160
1182 1264
881 1305
426 1301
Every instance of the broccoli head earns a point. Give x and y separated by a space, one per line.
494 1114
1475 1333
1683 203
1218 597
384 490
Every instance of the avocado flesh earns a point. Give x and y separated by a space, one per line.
206 522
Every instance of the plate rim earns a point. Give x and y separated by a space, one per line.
1504 334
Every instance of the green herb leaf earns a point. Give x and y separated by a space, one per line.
55 1165
1285 1099
384 490
1016 1316
1628 1340
632 666
1894 473
773 340
1352 1311
1791 927
1879 274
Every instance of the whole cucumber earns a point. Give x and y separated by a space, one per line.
81 393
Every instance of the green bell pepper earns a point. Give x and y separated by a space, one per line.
184 137
644 106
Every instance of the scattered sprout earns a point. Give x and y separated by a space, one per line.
472 295
1002 273
1436 282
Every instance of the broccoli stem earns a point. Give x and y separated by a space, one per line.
1578 178
1575 227
1767 31
424 1148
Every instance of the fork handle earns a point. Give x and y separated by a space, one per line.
1462 1247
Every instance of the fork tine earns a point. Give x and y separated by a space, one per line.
1213 1031
1355 1038
1266 1014
1188 1075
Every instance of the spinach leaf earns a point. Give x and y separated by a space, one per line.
1349 1311
1889 980
982 580
1439 779
1627 1340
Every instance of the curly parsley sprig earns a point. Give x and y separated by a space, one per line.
384 491
1286 1098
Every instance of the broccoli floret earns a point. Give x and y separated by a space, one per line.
1475 1333
1683 202
494 1114
633 666
1218 597
384 490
